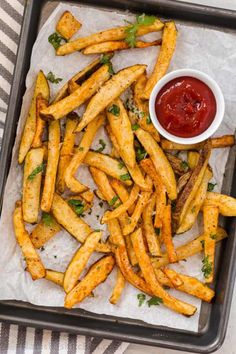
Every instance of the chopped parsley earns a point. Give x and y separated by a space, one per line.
211 186
135 127
184 165
157 231
55 40
125 177
131 30
47 219
105 59
141 298
115 110
121 164
129 104
97 230
102 147
113 200
155 300
36 171
148 119
77 205
207 267
51 77
141 153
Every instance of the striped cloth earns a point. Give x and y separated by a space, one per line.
13 338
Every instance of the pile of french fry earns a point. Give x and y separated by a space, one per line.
151 193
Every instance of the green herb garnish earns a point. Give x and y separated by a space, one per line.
97 230
131 30
211 186
155 300
129 104
77 205
121 164
102 147
51 77
47 219
135 127
184 165
125 177
115 110
113 200
148 119
140 153
105 59
36 171
55 40
207 267
141 298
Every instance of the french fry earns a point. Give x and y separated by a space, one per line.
52 163
33 261
216 143
113 34
66 152
225 203
72 86
54 276
72 183
79 261
189 249
210 220
150 277
61 108
108 165
122 193
67 25
109 92
189 284
44 231
41 87
118 288
130 251
31 185
88 196
149 231
160 162
41 103
167 235
192 186
163 61
193 157
182 181
45 151
95 276
179 166
196 204
121 129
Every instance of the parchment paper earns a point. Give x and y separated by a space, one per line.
209 50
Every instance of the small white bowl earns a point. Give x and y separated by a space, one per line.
220 105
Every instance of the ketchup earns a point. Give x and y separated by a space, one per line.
185 107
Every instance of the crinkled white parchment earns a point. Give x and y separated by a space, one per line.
211 51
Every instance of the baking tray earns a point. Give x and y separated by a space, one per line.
213 317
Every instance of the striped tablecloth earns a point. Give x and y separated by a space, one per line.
13 338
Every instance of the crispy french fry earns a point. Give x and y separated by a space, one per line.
121 129
44 231
54 276
88 196
95 276
189 284
196 204
52 163
192 186
225 203
182 181
66 152
41 87
150 277
179 166
130 251
160 162
108 165
79 261
67 25
163 61
122 193
188 250
41 103
193 157
167 235
72 183
220 142
113 34
118 288
149 231
45 151
31 185
109 92
33 261
61 108
210 220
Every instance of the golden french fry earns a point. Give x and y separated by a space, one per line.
130 251
189 284
193 157
72 86
88 196
220 142
179 166
41 103
44 231
167 235
31 185
61 108
72 183
45 151
122 193
66 152
33 261
52 163
150 277
163 61
67 25
149 231
225 203
95 276
210 220
160 162
41 87
191 187
113 34
54 276
122 130
182 181
108 165
118 288
109 92
79 261
188 250
196 204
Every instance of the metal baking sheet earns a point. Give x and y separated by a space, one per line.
213 317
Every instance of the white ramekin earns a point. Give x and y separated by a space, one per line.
220 105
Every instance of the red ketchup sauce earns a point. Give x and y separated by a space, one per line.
185 107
